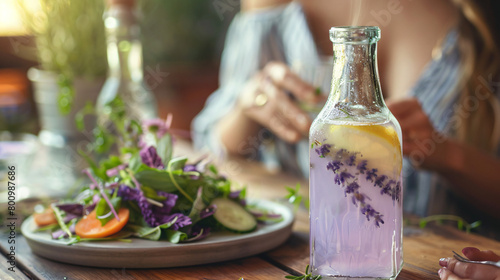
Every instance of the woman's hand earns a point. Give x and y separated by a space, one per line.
456 270
270 99
425 147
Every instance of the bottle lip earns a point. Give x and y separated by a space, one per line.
354 35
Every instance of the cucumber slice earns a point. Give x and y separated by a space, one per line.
233 216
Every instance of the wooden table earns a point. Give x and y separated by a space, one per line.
422 247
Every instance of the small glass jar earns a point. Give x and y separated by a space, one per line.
355 168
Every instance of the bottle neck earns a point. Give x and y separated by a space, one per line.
355 82
124 47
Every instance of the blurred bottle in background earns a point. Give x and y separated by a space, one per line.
125 72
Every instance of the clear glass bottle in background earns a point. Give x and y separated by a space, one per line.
125 72
355 169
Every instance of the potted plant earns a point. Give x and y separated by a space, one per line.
71 50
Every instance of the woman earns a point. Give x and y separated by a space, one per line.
438 62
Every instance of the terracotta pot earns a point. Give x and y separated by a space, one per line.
58 129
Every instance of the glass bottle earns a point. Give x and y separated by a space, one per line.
355 168
125 73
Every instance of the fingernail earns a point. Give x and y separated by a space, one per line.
443 262
469 250
441 271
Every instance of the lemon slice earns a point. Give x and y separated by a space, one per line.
378 145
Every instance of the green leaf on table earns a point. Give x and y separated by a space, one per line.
294 197
422 223
307 276
102 209
475 224
164 149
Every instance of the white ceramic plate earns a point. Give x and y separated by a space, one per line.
140 253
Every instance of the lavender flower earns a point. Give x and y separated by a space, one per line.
340 153
351 160
362 166
151 158
371 175
351 188
378 220
358 197
342 177
379 182
323 150
157 126
388 189
396 195
334 165
368 211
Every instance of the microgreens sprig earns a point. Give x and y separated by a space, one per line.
307 276
462 224
295 198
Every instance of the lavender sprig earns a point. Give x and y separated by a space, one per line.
348 180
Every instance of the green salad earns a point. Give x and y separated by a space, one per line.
144 191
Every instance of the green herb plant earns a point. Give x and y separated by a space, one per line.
462 224
295 198
69 42
307 276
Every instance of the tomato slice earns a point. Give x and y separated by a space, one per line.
90 227
47 217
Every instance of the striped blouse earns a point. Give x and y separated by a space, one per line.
282 34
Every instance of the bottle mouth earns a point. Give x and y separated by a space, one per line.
354 35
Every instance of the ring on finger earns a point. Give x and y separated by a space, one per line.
260 99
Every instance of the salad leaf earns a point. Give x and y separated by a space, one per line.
164 148
198 206
177 163
60 221
150 193
156 179
151 233
175 236
135 162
